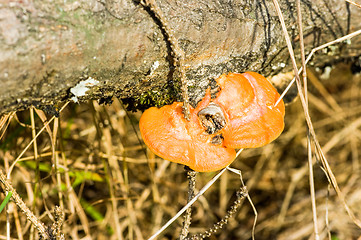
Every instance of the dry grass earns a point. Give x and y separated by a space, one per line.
112 187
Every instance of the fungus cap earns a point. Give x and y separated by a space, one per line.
242 115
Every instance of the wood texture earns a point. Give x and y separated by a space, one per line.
47 47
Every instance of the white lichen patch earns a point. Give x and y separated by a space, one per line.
82 87
154 67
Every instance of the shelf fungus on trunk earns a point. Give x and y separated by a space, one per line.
242 115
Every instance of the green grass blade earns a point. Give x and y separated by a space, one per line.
6 200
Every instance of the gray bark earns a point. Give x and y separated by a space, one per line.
47 47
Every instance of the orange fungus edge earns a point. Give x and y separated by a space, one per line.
170 136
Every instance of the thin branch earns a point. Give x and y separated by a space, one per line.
20 203
178 53
236 171
190 203
58 223
241 194
191 175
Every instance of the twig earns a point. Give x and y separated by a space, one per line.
310 164
236 171
178 53
20 203
58 222
241 194
191 175
190 203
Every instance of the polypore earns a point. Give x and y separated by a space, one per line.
243 115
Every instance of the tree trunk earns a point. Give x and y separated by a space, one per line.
47 47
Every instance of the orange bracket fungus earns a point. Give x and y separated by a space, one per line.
242 115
